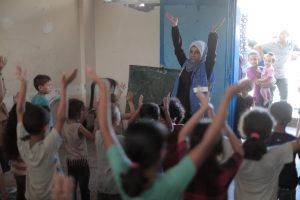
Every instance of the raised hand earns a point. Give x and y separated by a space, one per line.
216 27
204 100
166 102
121 87
129 96
244 85
173 20
3 61
66 79
21 73
90 72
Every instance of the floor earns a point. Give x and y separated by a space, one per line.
9 180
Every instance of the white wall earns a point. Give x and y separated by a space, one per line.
125 36
54 36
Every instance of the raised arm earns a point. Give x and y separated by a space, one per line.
200 152
136 114
187 128
168 120
129 100
234 141
103 110
61 113
21 76
211 48
176 38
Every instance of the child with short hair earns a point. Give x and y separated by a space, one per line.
135 168
258 175
288 178
43 85
38 153
267 78
75 135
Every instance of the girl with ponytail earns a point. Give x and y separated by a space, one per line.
136 167
258 175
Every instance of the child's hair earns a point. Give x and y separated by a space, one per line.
40 80
10 135
150 110
249 86
144 142
115 113
112 84
253 52
282 112
256 125
176 110
35 119
76 107
210 167
271 55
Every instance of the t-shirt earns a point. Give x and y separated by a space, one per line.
40 161
282 54
75 144
288 177
169 185
105 180
42 100
259 179
268 72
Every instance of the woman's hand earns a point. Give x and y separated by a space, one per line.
216 27
173 20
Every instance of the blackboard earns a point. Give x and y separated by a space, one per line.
152 82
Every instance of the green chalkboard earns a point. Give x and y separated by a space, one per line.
152 82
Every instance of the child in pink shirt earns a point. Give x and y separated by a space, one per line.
267 78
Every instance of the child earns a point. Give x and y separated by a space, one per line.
176 111
267 78
106 187
212 179
288 179
244 102
254 73
75 136
144 145
258 175
38 153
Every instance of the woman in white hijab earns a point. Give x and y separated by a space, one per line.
197 69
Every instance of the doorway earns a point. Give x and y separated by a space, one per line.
263 20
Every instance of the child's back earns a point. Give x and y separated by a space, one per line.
39 152
40 161
258 175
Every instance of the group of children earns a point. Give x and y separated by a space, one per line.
157 157
263 77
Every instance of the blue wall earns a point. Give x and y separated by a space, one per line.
195 20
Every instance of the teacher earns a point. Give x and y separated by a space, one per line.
197 69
